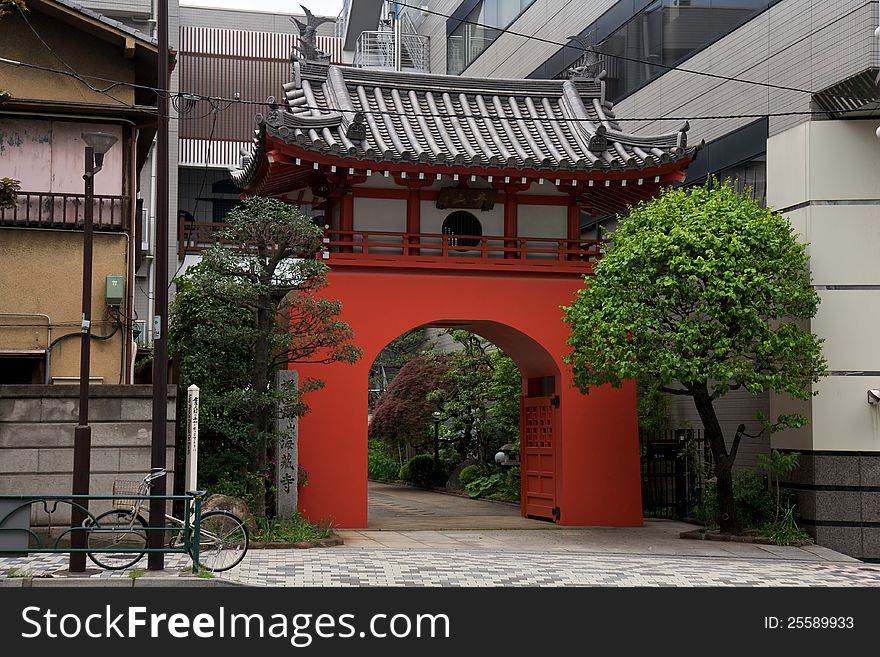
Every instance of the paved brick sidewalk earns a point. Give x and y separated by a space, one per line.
378 567
481 567
503 549
649 556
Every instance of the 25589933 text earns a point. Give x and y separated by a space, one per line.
809 622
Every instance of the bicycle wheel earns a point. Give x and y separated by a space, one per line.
117 529
223 541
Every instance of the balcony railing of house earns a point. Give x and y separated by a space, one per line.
52 210
426 250
376 50
341 20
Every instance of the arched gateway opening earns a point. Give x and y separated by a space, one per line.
579 452
388 158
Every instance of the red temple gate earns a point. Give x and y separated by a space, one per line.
457 202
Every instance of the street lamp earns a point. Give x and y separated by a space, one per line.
97 144
436 416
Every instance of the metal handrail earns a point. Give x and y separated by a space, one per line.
375 49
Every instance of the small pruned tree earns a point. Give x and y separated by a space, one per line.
705 292
253 306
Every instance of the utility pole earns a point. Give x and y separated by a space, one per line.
156 560
82 435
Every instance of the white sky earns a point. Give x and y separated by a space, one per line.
317 7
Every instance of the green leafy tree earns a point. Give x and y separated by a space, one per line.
480 397
705 292
249 308
9 188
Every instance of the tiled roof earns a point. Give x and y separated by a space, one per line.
386 116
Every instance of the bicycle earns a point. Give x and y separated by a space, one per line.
223 536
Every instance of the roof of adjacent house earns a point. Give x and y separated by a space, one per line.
375 115
110 22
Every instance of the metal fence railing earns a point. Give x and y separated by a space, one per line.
19 538
675 466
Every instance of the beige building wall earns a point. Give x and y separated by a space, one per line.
825 176
92 56
41 272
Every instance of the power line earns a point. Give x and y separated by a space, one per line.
262 104
230 101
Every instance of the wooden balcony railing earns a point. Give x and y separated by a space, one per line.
390 249
195 236
51 210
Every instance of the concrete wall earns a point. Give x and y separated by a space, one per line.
134 13
36 440
823 175
41 272
246 19
48 156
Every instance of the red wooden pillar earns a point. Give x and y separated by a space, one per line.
346 219
413 210
510 224
574 228
413 219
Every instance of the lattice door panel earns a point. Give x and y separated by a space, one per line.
538 447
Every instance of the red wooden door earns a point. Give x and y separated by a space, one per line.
538 455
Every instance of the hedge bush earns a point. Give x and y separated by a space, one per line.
419 471
473 472
380 464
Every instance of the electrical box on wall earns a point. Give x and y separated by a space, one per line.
115 290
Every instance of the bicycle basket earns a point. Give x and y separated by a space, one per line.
126 487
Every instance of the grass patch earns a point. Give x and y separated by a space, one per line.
19 572
135 573
205 574
289 530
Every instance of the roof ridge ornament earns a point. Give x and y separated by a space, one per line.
307 48
588 66
598 141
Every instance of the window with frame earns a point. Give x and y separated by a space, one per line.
478 29
465 227
663 33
